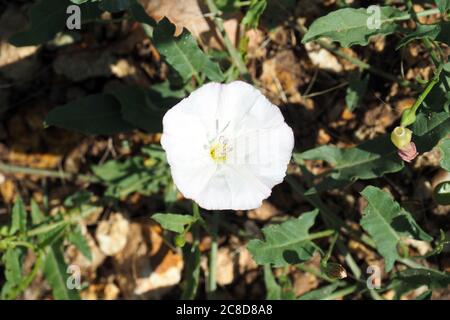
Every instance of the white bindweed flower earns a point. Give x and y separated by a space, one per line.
227 146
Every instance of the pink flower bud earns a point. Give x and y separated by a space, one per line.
408 153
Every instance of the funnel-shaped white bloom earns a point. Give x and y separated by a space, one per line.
227 146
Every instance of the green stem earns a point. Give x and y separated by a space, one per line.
363 65
9 168
321 234
341 293
71 220
314 272
429 45
234 54
212 284
327 214
330 248
409 115
331 220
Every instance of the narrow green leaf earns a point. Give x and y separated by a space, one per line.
286 243
95 114
321 293
55 271
355 91
351 26
387 223
425 296
48 238
19 217
192 271
254 13
173 222
272 287
76 238
36 214
183 53
133 175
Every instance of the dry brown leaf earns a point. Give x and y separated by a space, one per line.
189 14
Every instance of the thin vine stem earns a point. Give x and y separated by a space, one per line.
234 54
59 174
212 268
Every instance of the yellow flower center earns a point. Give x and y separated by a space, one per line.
218 150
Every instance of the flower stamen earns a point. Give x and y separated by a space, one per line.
218 150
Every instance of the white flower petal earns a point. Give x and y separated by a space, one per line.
200 105
235 188
236 100
227 146
192 178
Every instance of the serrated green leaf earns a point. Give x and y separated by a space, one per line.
12 259
95 114
76 238
19 217
355 91
173 222
349 26
139 14
55 272
406 280
368 160
183 54
286 243
387 223
444 147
